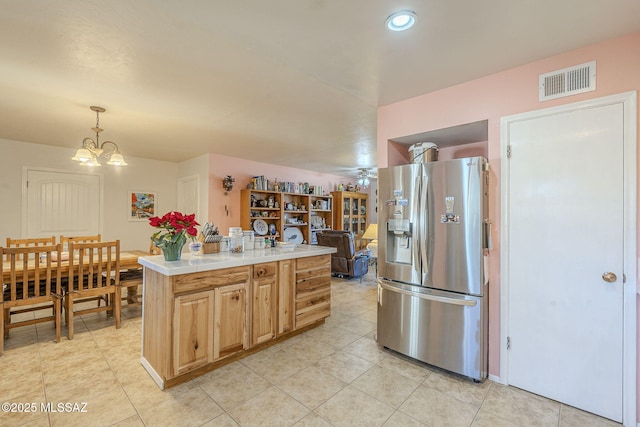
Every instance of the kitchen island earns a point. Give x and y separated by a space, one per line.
205 311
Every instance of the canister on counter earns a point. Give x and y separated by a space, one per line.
236 240
248 238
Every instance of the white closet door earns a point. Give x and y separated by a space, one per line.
566 234
62 203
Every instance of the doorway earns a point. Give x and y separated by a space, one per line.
568 177
61 203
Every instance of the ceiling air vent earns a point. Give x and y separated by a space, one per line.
568 81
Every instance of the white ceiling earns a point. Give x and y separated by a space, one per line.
289 82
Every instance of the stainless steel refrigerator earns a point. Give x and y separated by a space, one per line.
432 285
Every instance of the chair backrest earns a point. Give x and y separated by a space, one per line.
93 265
22 243
36 266
154 250
64 240
341 240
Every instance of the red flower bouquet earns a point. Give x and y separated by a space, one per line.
175 228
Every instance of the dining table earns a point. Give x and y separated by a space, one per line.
128 261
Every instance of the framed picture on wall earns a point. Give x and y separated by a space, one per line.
142 205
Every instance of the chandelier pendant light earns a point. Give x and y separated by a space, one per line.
363 177
92 149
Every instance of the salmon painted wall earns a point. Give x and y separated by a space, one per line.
492 97
224 209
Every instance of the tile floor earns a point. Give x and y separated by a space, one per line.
333 375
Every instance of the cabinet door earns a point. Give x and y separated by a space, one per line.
192 331
263 327
286 296
230 320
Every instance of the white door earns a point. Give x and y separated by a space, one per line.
61 203
565 228
189 196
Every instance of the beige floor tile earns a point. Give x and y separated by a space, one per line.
351 407
398 419
332 336
133 421
344 366
190 407
107 409
308 348
223 420
366 348
386 385
312 420
235 387
18 382
269 408
462 389
275 366
370 315
434 408
573 417
81 384
485 419
145 394
403 365
311 386
19 415
520 407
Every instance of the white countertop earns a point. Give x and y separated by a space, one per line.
196 263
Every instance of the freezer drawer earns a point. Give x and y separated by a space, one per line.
443 329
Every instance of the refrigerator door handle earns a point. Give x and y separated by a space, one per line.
424 217
417 231
455 301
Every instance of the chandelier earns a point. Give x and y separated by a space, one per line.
363 177
92 149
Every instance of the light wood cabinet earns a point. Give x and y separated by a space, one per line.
305 212
264 302
320 215
230 330
313 289
192 326
258 204
195 322
350 214
286 296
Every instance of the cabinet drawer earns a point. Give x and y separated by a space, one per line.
313 262
267 269
313 307
312 285
210 279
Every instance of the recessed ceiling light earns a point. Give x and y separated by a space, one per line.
402 20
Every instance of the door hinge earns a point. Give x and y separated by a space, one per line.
508 343
508 151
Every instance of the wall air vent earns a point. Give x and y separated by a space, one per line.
568 81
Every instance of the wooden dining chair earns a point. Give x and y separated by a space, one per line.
64 240
93 273
132 280
31 281
36 241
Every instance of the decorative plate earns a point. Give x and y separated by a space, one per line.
293 235
260 226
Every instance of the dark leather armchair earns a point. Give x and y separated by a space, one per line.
346 261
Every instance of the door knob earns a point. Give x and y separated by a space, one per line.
609 277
